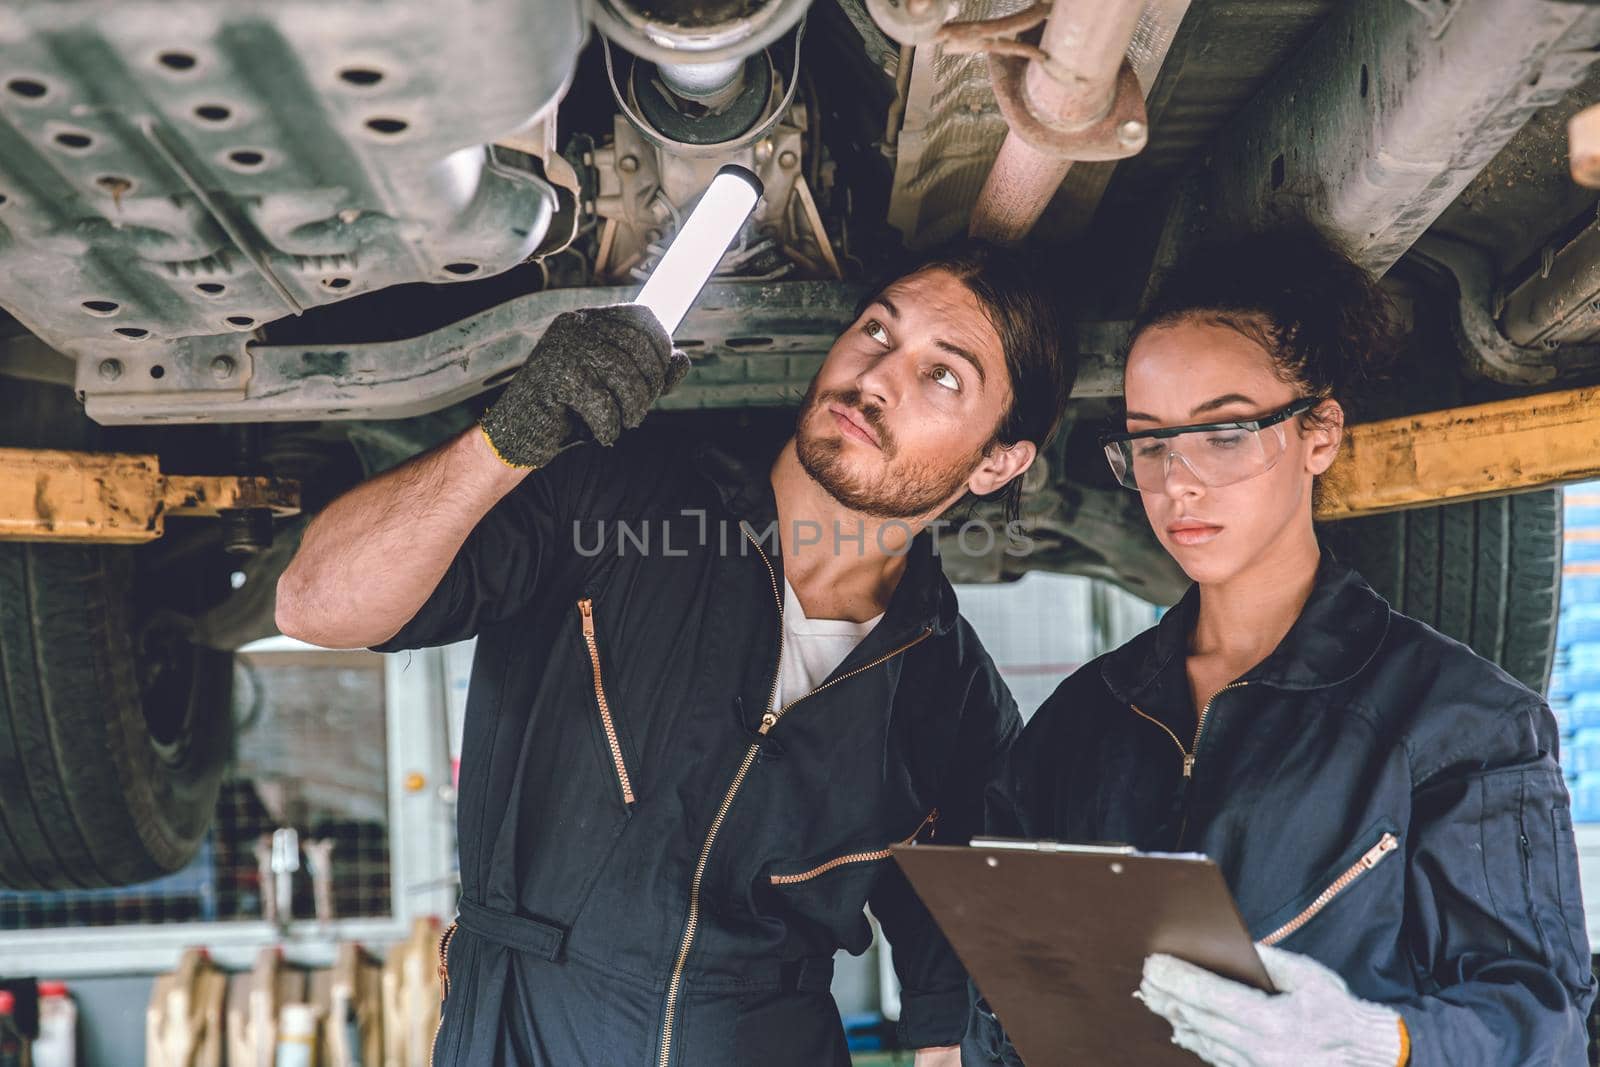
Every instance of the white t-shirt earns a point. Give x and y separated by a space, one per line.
812 648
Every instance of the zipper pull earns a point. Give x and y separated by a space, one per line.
930 822
768 721
1386 843
1188 764
586 609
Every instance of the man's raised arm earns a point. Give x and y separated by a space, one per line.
370 560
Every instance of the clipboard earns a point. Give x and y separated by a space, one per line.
1056 934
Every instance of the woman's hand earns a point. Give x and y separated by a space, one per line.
948 1056
1313 1018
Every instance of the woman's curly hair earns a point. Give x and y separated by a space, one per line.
1330 328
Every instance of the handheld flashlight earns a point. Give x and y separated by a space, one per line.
699 244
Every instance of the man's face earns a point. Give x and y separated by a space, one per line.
899 417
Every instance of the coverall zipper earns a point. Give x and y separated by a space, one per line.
1189 754
855 857
768 721
1369 859
444 988
586 609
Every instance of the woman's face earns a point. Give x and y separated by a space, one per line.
1200 372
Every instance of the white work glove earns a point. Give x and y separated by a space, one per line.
1313 1019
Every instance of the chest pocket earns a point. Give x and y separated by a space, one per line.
1369 849
616 748
929 824
830 891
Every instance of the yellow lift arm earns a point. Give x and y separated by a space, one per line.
116 497
1442 457
1435 458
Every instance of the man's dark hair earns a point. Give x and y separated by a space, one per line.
1013 288
1329 327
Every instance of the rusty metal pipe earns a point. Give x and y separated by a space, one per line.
1086 41
1017 190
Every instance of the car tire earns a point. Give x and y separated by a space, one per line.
1485 572
115 726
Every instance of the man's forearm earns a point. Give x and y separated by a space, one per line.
368 560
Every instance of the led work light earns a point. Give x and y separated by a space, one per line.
699 244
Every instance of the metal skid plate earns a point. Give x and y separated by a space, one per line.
173 174
752 344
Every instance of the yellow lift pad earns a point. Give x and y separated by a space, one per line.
1439 457
1442 457
116 497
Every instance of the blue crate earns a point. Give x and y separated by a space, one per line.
1574 713
1583 711
1571 681
1581 755
1580 589
1581 654
1581 516
1584 551
1585 798
1578 624
864 1031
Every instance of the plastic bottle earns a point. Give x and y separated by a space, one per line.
297 1036
58 1027
12 1051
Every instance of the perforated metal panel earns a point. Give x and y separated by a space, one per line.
173 174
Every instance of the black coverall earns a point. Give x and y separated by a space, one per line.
651 875
1378 797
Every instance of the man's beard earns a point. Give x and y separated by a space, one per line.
898 491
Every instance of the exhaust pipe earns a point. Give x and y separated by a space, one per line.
1073 98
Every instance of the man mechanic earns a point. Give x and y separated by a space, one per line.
707 697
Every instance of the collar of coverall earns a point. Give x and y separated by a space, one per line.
1337 634
923 598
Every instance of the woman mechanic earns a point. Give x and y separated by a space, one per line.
1384 804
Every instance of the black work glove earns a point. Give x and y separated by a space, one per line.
594 373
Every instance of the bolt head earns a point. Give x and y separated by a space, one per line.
1131 134
222 368
628 164
787 160
110 370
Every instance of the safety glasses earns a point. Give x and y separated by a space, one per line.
1216 453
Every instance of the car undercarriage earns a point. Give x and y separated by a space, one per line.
309 240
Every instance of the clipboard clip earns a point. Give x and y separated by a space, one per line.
1082 848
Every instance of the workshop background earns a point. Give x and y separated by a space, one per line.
330 869
335 829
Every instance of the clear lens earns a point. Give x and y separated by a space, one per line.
1214 458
